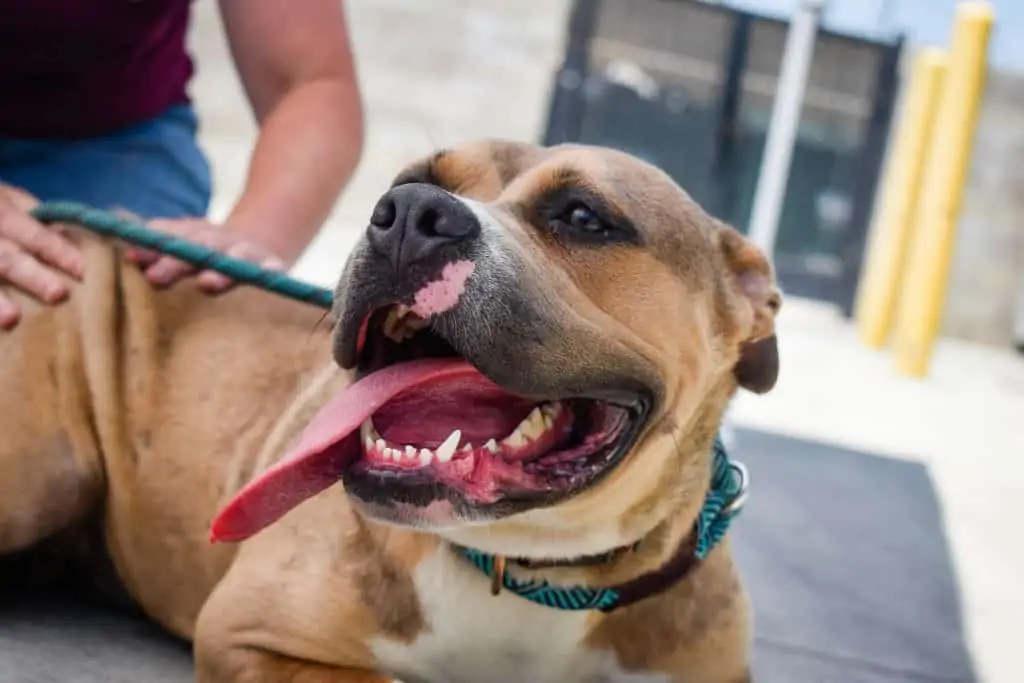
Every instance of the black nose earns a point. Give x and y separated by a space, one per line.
412 223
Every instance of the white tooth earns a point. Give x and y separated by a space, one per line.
391 324
410 451
385 453
533 426
516 439
492 446
467 447
426 457
548 422
446 450
368 444
381 445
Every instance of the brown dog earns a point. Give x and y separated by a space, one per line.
536 348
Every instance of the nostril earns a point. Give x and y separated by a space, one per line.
427 222
384 214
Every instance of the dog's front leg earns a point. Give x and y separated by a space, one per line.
272 619
252 666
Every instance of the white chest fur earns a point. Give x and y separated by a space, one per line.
474 636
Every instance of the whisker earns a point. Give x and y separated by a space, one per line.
317 324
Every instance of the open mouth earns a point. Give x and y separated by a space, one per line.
451 433
422 425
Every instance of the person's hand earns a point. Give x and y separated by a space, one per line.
163 271
34 258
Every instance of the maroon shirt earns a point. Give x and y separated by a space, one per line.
81 68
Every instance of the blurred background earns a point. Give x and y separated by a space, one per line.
882 538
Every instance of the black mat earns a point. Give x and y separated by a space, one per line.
848 565
843 552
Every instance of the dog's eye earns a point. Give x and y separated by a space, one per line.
581 221
580 218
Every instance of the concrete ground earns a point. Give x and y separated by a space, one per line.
436 73
433 74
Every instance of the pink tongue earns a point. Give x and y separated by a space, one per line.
329 442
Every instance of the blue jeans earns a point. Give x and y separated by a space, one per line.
154 169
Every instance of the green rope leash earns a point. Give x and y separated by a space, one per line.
108 224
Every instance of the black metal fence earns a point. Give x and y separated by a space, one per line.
689 86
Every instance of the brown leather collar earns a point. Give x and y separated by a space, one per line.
677 568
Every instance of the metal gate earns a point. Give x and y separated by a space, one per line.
689 86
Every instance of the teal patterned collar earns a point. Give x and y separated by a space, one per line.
725 499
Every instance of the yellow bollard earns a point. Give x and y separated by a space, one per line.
923 295
886 258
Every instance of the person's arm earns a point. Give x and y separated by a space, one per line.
295 62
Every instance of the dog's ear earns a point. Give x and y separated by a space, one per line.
759 300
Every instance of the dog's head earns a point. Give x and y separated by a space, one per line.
542 339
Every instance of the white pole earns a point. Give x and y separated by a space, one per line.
778 148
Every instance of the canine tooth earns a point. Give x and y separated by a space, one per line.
426 457
391 324
492 446
446 450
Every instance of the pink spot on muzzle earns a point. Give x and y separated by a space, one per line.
442 294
